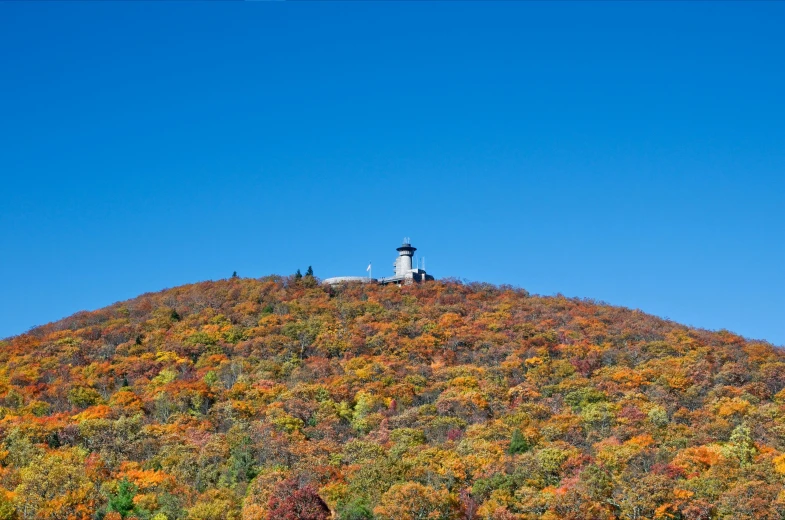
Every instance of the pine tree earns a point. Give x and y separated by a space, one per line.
123 501
309 272
518 443
298 275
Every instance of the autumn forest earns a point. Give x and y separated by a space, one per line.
279 398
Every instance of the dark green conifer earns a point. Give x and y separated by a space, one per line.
123 501
518 443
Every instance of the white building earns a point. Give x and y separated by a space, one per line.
403 271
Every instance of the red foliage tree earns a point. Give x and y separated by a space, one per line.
289 501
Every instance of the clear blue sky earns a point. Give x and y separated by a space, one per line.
625 151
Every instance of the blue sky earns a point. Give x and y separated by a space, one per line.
628 152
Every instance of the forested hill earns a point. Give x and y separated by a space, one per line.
277 398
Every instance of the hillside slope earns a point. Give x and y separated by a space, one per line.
278 398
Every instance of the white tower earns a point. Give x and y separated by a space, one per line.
403 264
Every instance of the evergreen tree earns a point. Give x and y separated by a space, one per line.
123 501
309 272
358 509
518 443
234 274
298 275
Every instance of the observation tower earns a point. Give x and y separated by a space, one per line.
404 270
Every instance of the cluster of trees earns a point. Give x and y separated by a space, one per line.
278 398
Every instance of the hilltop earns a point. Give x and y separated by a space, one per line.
279 398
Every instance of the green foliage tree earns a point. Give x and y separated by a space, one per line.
21 451
518 443
658 416
82 397
357 509
741 446
122 501
242 463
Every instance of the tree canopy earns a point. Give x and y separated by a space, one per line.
279 398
